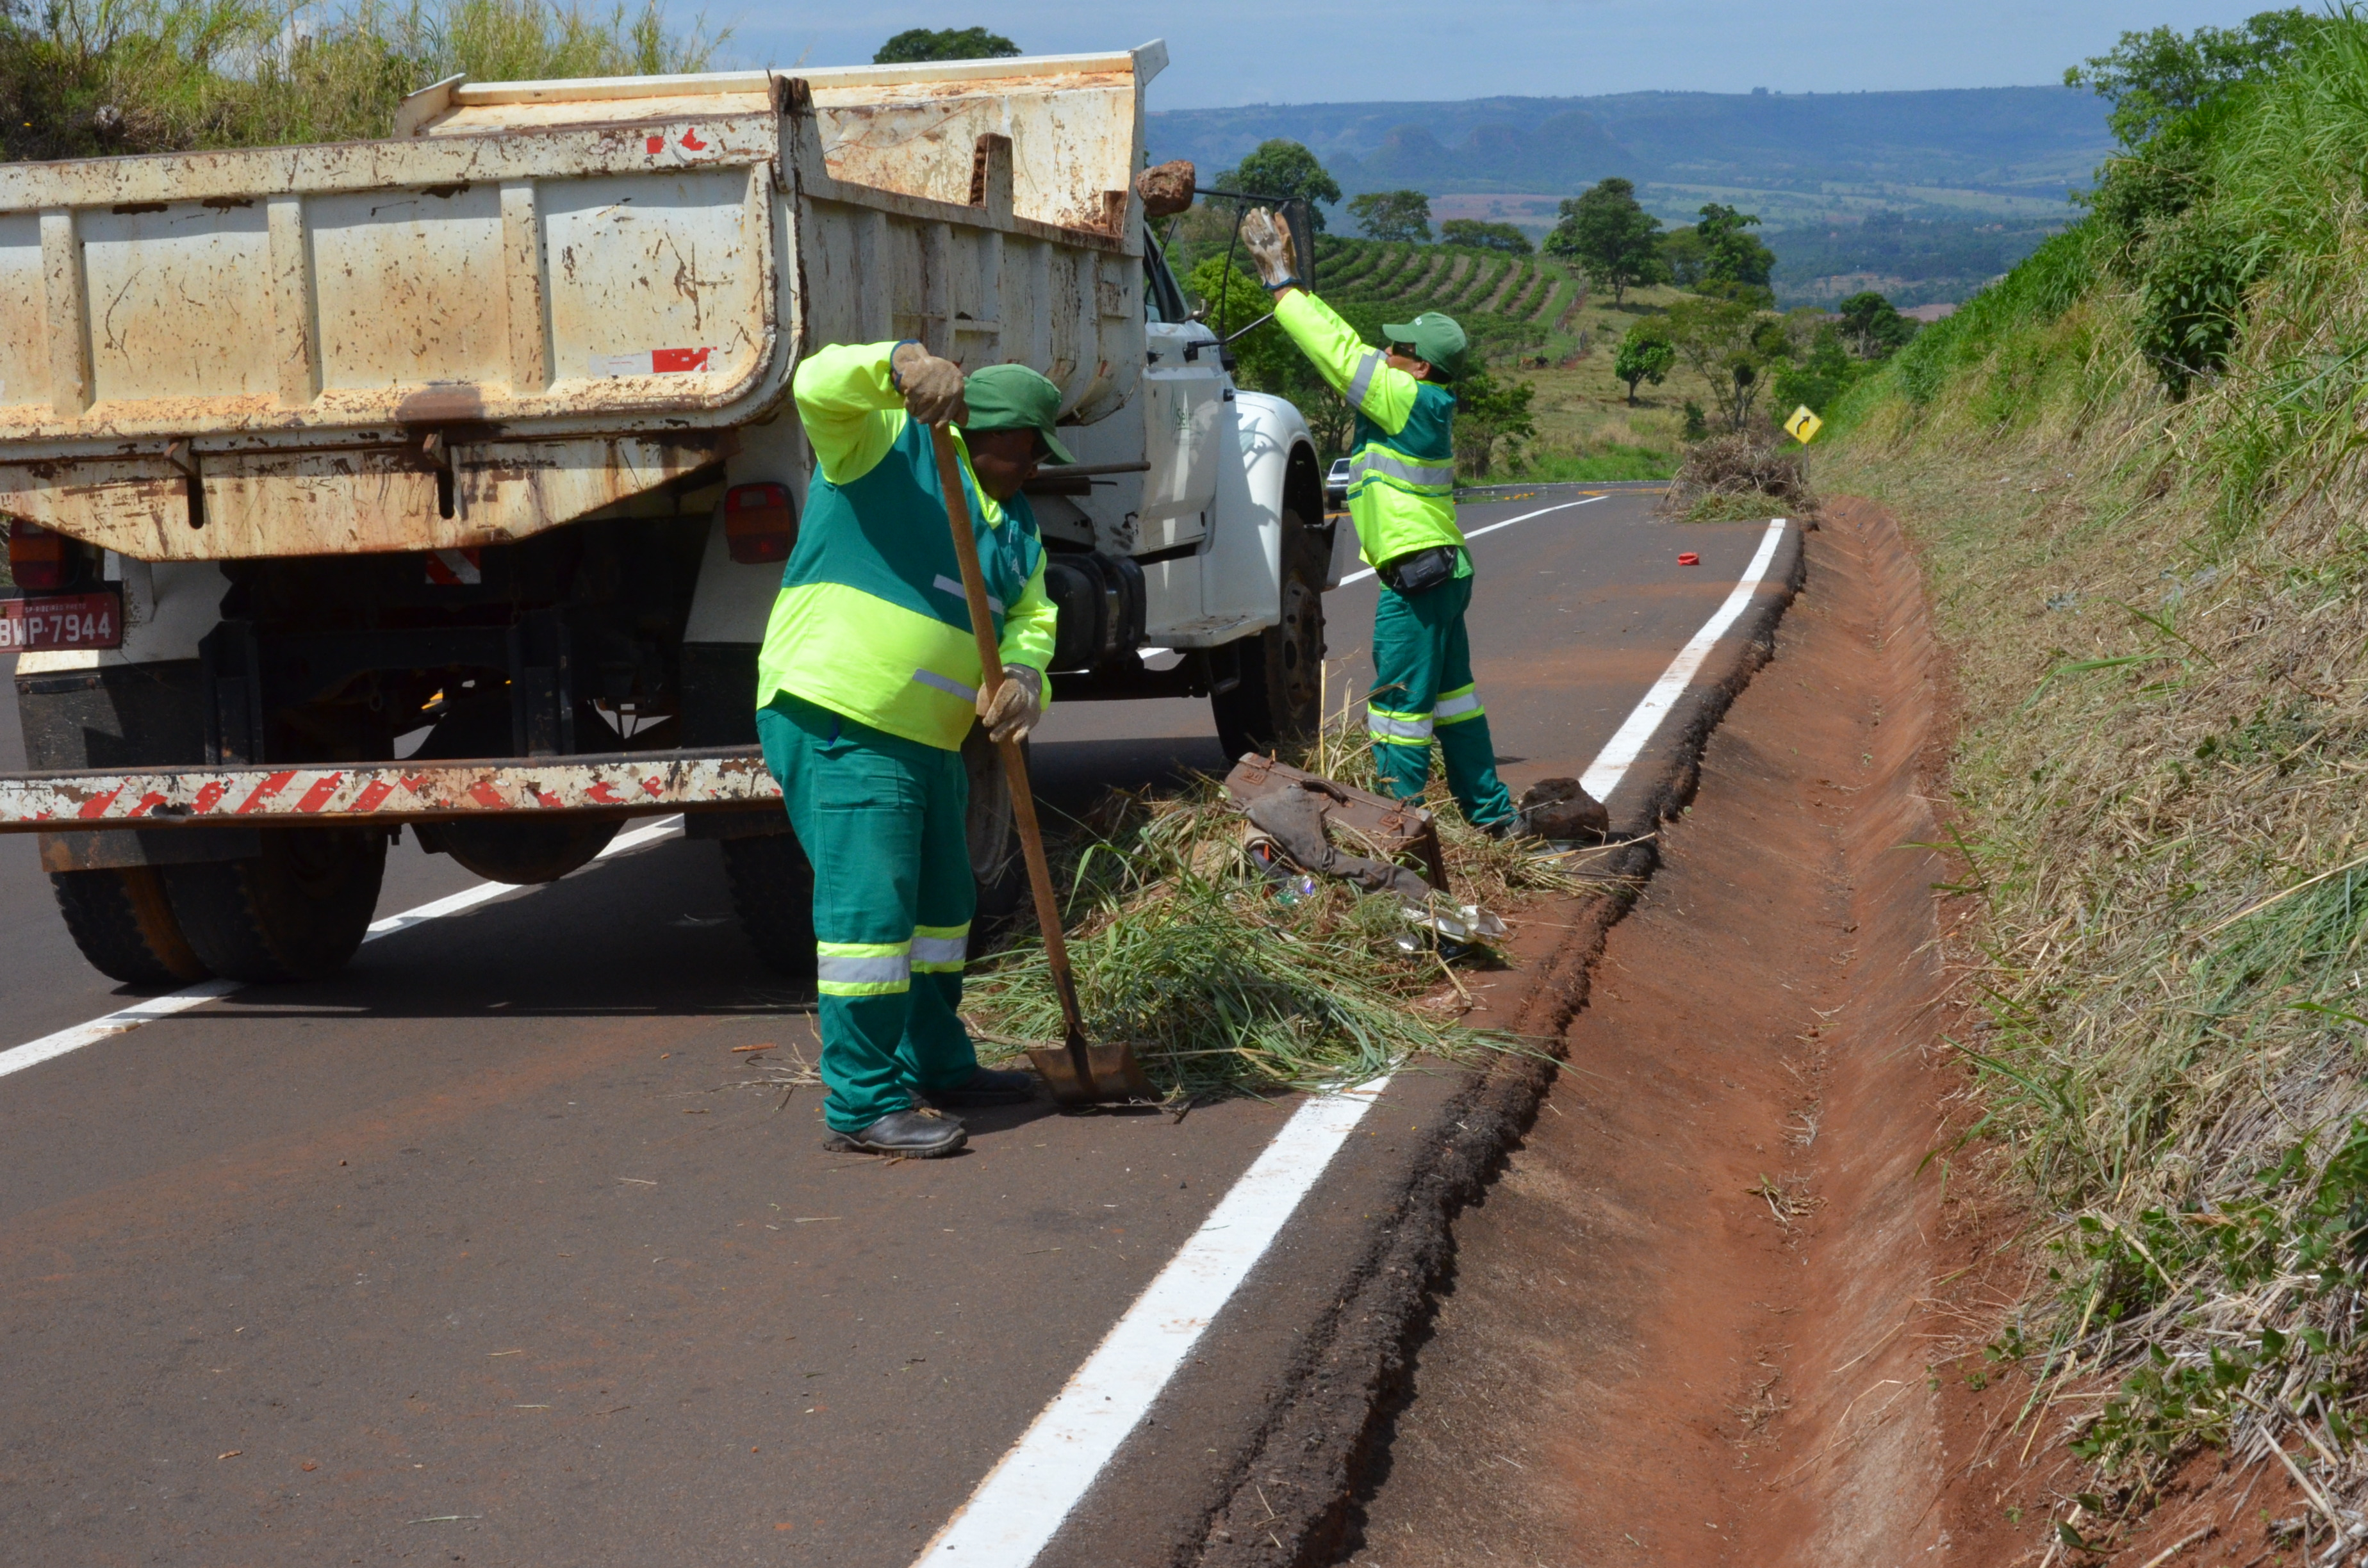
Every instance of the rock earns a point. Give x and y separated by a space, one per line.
1559 808
1167 189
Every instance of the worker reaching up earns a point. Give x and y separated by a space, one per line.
1402 499
868 681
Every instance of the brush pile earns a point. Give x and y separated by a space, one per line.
1225 978
1737 478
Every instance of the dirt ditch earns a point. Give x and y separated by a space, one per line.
1697 1319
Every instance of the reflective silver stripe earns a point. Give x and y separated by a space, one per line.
1362 382
893 969
928 951
949 686
1389 465
945 584
1456 707
1396 729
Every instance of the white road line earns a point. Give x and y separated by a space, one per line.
1611 765
123 1021
1492 527
1013 1515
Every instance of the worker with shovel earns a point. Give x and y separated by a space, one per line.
1402 499
868 680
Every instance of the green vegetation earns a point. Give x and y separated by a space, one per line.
1393 215
1616 241
1913 257
2134 467
1283 171
87 78
1485 236
917 46
1645 354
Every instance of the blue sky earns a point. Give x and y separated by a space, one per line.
1236 52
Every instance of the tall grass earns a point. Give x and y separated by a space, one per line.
2155 575
86 78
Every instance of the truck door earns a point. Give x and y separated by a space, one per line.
1183 408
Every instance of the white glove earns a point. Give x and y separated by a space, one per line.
1267 236
1016 706
932 387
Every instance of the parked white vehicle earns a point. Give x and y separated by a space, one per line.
445 479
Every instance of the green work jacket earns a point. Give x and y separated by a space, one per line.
1402 458
870 622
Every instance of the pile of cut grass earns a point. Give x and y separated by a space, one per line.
1226 982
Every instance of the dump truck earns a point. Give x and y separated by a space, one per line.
444 481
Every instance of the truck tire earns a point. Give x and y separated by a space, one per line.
124 926
772 889
1278 700
295 911
522 851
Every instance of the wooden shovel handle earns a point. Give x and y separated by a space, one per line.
1015 764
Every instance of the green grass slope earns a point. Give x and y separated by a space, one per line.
2136 470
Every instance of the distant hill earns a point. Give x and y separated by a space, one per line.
2017 146
1959 185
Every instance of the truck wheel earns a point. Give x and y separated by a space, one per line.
772 889
1279 701
518 851
295 911
124 926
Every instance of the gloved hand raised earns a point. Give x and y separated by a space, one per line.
932 387
1267 236
1016 706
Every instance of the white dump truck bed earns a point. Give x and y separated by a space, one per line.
540 299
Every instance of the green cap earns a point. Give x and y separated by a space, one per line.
1436 338
1013 397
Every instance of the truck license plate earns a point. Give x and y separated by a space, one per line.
61 621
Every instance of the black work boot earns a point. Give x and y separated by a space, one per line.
987 1087
918 1133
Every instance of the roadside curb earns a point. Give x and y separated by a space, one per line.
1293 1489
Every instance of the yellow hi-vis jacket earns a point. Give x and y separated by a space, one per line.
870 622
1402 458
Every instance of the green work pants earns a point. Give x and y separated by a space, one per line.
1423 692
881 818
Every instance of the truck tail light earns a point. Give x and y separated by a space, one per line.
37 558
760 524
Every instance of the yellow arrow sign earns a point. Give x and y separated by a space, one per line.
1803 425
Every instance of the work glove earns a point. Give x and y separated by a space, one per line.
1267 236
1016 706
932 387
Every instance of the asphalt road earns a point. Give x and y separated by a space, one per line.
493 1248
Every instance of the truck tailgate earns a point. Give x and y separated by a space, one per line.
201 354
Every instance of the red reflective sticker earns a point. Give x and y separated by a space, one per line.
673 361
656 144
691 140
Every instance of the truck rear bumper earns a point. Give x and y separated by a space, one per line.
619 784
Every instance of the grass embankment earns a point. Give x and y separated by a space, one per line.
2157 602
88 78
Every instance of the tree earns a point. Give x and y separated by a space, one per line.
1232 297
1613 239
1488 411
1397 215
1283 170
1876 330
1817 379
2155 77
1683 256
1730 344
916 46
1486 236
1645 354
1730 255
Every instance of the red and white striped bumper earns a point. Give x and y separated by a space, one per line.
621 784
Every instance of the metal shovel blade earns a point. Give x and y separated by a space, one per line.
1107 1073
